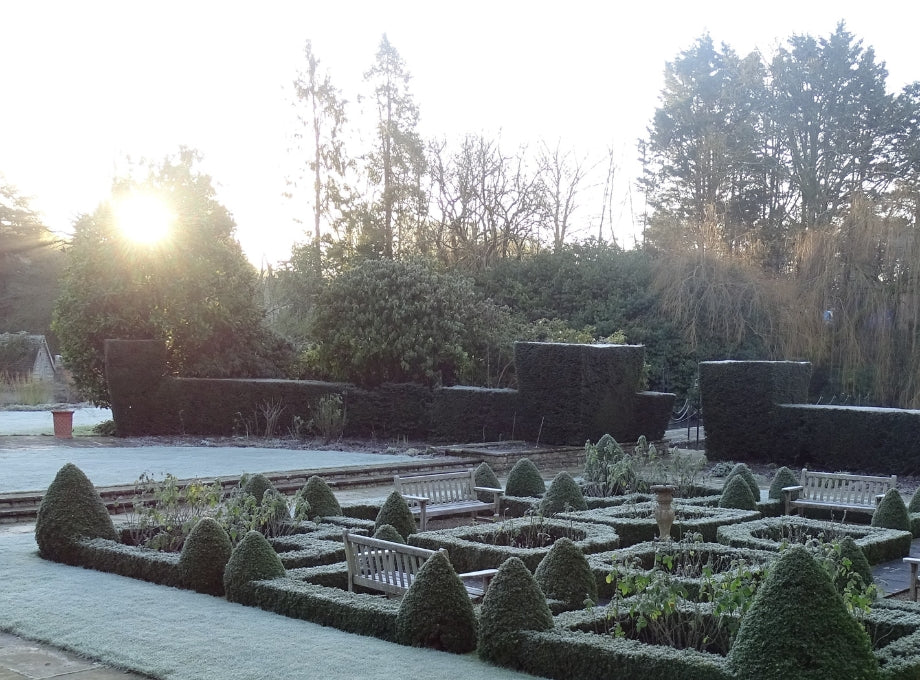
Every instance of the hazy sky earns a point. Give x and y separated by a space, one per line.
85 84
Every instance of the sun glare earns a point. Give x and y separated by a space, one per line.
143 218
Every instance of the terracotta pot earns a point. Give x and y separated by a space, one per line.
63 424
664 513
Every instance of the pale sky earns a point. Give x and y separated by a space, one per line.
85 84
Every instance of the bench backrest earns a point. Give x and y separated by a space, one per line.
842 488
444 487
382 565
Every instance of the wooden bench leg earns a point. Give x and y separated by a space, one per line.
913 581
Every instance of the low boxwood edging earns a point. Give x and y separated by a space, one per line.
719 555
129 560
366 510
305 550
471 548
518 506
358 613
595 502
879 545
636 523
328 575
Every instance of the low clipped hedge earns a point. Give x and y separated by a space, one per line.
472 548
720 557
133 561
306 550
636 523
518 506
879 545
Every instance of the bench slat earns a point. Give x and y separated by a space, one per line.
444 494
837 491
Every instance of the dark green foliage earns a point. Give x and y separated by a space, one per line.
70 509
436 610
564 574
129 560
256 485
395 512
914 505
513 603
737 494
387 532
858 562
204 557
525 480
891 512
252 559
563 494
743 471
322 501
485 476
798 628
784 477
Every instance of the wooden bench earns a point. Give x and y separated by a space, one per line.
837 491
914 563
391 567
446 494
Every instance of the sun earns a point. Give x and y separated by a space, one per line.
143 217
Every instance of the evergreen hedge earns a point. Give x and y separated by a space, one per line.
387 532
525 480
252 559
743 471
395 512
256 485
204 557
563 494
71 509
784 477
564 574
737 495
484 476
891 513
318 494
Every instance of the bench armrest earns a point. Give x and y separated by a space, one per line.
790 493
419 499
496 497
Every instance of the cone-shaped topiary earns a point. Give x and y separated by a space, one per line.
914 505
395 512
436 610
564 574
204 557
387 532
322 501
253 559
784 477
745 473
513 602
798 628
563 494
485 476
525 480
71 509
858 563
891 513
256 485
737 494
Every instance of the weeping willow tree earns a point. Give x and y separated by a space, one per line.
858 306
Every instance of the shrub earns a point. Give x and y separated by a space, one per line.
204 557
256 485
784 477
742 470
798 627
71 509
253 559
564 574
395 512
852 555
891 512
563 494
436 610
513 603
525 480
485 476
387 532
914 505
737 494
319 496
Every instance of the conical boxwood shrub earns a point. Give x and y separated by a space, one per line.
858 562
784 477
204 557
737 494
564 574
891 512
322 501
71 509
395 512
525 480
914 505
436 610
743 471
563 494
485 476
798 628
387 532
513 602
253 559
256 485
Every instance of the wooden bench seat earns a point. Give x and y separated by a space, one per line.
446 494
837 491
391 567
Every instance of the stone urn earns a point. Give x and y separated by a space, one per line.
664 513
